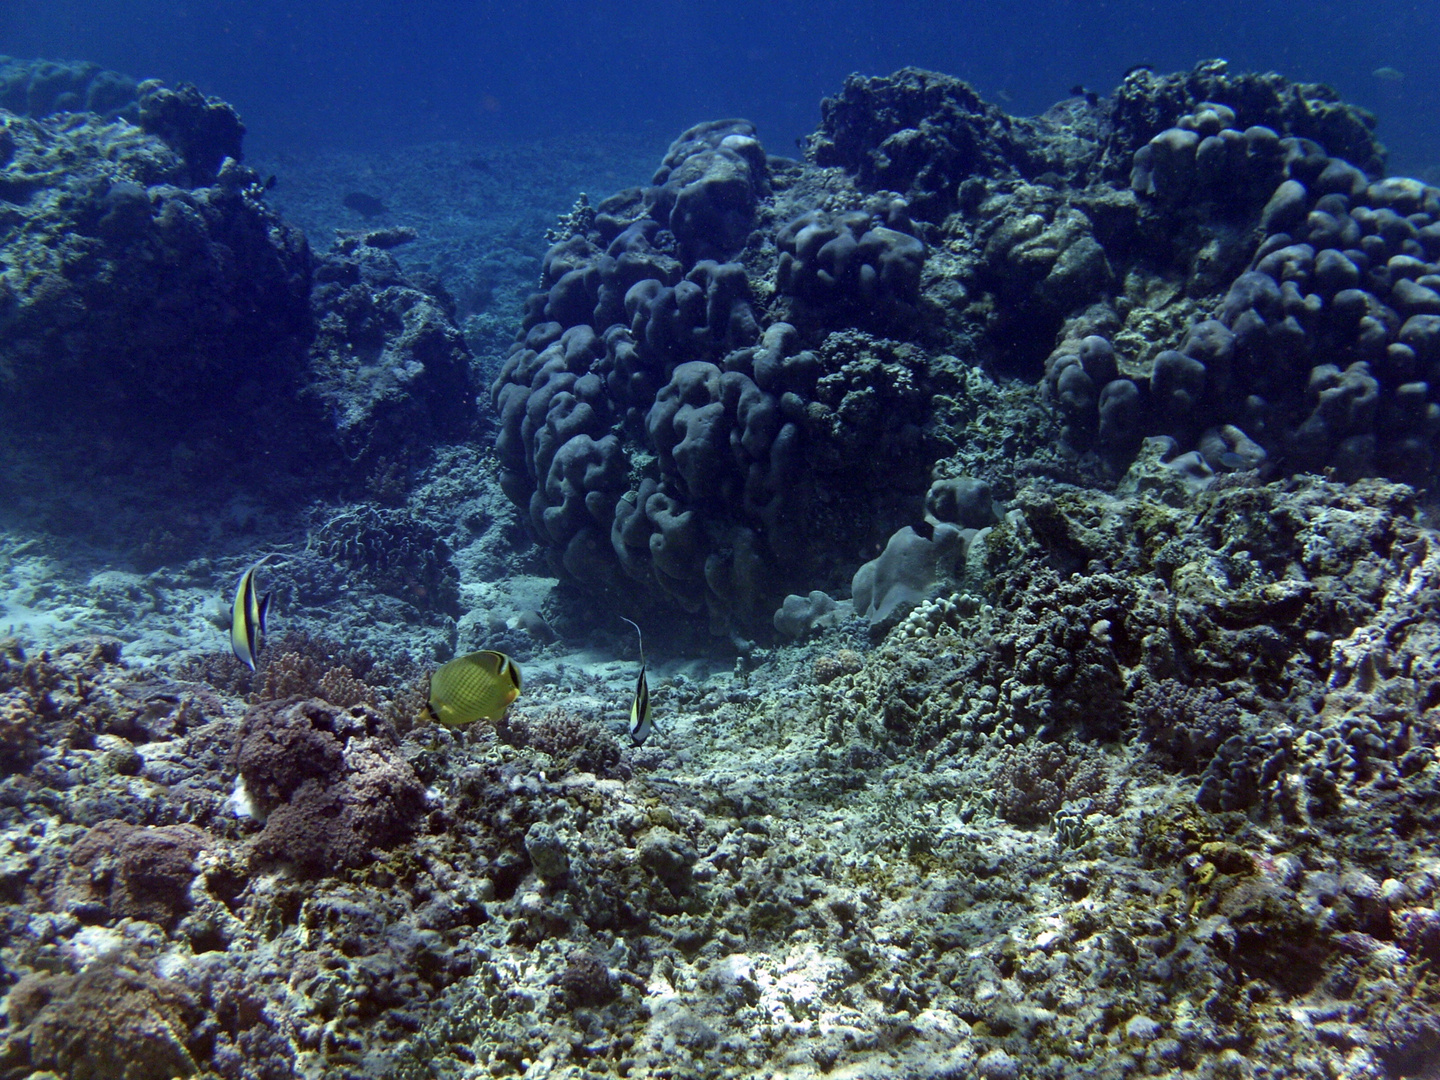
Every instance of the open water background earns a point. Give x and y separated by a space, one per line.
365 74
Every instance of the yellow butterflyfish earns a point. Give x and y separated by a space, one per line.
476 686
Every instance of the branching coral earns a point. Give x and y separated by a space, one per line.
579 744
301 664
1033 781
296 674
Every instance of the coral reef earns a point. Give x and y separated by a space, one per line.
668 417
167 270
198 325
301 664
572 741
1180 747
1123 759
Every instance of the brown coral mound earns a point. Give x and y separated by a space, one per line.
140 873
110 1022
331 781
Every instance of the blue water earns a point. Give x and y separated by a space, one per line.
366 73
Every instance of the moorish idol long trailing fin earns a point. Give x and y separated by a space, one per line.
640 722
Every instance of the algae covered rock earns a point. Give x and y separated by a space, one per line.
150 296
111 1020
330 782
175 290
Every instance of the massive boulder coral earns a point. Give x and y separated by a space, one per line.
668 415
1147 103
852 268
1084 217
44 87
707 186
657 437
918 133
1318 353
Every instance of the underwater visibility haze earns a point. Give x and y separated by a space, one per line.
385 73
708 541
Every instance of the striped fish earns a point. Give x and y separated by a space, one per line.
247 617
640 723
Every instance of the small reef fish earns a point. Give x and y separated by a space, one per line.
247 617
1388 74
641 723
476 686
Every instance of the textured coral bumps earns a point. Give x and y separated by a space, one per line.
1324 351
663 445
667 413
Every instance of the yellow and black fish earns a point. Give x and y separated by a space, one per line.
640 723
247 617
476 686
